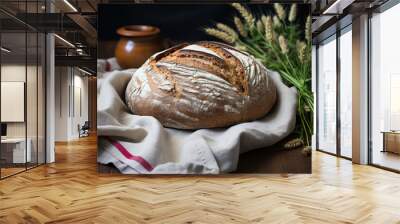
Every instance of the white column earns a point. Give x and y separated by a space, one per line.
360 90
50 92
50 98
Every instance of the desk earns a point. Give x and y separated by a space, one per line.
391 141
15 148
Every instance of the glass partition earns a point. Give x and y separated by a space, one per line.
41 96
23 89
14 145
32 98
32 102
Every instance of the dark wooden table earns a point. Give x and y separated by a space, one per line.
274 159
391 141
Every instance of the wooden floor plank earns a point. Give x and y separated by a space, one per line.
71 191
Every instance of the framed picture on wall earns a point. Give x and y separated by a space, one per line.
12 101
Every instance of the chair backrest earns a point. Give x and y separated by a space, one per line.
86 125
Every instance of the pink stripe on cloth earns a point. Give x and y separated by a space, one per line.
130 156
108 66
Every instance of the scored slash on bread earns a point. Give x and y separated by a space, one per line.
223 64
201 85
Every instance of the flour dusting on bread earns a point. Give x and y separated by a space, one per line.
202 85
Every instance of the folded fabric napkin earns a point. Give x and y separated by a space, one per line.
140 144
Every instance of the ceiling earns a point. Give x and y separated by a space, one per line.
19 54
76 22
329 15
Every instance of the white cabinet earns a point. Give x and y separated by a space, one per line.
17 146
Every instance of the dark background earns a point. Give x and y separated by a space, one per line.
184 23
177 22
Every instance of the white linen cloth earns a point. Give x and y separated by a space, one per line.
140 144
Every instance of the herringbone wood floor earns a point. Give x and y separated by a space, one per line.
71 191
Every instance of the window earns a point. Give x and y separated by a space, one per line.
385 89
346 92
326 137
334 106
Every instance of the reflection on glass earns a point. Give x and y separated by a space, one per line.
41 99
327 96
22 90
346 94
15 150
31 99
385 85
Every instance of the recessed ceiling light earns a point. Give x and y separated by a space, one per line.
84 71
338 6
5 50
64 40
70 5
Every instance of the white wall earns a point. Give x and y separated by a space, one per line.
12 73
33 126
61 103
80 85
70 83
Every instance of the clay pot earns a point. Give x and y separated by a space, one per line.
137 44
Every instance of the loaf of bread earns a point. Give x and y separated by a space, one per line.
201 85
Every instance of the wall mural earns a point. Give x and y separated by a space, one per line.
204 89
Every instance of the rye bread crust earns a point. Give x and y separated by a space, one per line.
202 85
